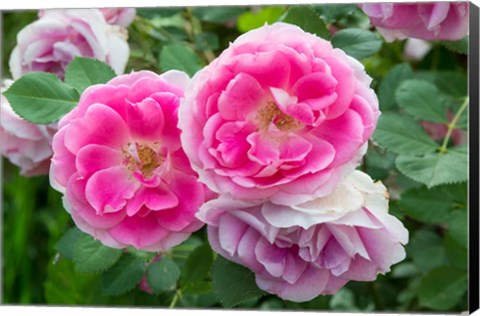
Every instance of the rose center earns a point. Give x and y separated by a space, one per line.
272 114
141 158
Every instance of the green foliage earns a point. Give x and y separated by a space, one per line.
181 57
307 19
442 288
41 98
460 46
389 84
252 20
423 247
90 256
217 14
123 276
196 268
82 73
163 275
66 245
232 283
357 43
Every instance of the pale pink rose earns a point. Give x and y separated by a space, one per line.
26 145
119 16
279 114
301 251
50 43
428 21
119 162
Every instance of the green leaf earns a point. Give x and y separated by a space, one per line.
422 100
386 90
197 265
402 135
252 20
206 40
90 256
198 288
428 205
181 57
41 97
357 43
66 245
456 253
84 72
404 270
162 275
435 168
442 288
452 83
460 46
232 283
344 300
217 15
335 12
458 227
427 251
306 18
123 276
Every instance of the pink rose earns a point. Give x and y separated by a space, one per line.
25 144
299 252
428 21
119 162
280 114
50 43
119 16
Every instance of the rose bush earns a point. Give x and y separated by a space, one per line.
119 162
279 114
429 21
301 251
50 43
26 145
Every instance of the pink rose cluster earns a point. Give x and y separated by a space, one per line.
276 126
49 44
428 21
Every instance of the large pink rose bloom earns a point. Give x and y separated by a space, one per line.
119 162
299 252
280 114
24 144
50 43
428 21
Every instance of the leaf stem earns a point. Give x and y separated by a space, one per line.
177 295
452 125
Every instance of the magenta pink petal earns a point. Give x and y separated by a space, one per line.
264 151
145 120
93 158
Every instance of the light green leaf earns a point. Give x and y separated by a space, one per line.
232 283
386 90
306 18
163 275
357 43
459 47
435 168
66 245
402 135
404 270
90 256
41 97
422 100
84 72
181 57
123 276
197 266
252 20
442 288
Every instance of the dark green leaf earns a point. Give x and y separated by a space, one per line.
456 253
402 135
452 83
41 97
357 43
83 72
152 13
66 245
206 40
335 12
197 288
218 15
91 256
422 100
250 20
163 275
232 283
386 90
428 205
435 168
181 57
123 276
197 265
344 300
460 46
458 227
306 18
427 251
442 288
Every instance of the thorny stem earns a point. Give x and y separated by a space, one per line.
177 295
452 125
